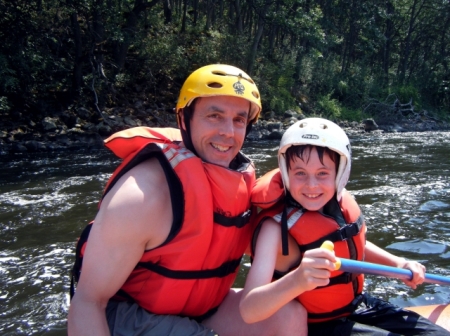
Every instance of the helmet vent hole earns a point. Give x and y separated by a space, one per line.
302 125
219 73
324 126
214 85
255 94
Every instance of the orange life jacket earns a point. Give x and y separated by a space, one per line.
342 223
192 271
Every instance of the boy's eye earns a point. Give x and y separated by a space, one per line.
324 173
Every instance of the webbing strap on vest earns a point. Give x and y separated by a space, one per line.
284 233
341 234
348 309
343 278
238 221
223 270
76 270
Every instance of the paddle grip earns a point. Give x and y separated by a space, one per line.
328 245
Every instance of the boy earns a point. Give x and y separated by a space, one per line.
307 198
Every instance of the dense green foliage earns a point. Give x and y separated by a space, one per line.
326 57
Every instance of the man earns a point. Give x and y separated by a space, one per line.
165 246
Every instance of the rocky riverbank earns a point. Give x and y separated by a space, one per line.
85 130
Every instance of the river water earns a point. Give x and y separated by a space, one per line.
400 180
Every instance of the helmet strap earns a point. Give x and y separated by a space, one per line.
186 133
289 201
284 232
248 129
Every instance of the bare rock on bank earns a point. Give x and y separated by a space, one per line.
85 130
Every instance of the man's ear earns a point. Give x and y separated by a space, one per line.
181 119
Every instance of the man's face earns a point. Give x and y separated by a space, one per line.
218 128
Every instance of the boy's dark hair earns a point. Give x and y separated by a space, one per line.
304 151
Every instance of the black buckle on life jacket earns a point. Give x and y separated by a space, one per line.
343 233
343 278
238 221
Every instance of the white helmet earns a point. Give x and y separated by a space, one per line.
317 132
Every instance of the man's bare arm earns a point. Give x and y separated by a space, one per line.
135 216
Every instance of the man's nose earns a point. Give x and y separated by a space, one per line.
227 128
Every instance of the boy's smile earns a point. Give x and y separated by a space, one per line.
312 184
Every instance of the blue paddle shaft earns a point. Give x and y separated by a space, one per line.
353 266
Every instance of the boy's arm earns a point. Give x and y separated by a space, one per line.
261 297
377 255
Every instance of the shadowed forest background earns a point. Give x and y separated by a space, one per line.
327 57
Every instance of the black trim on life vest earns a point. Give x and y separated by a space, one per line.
76 270
223 270
341 279
238 221
121 294
149 151
344 233
333 209
176 196
203 317
284 232
350 308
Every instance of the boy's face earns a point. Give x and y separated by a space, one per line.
312 184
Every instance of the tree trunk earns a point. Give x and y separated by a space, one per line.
352 36
195 9
77 74
128 31
406 50
257 38
183 22
237 8
444 45
209 13
167 12
388 34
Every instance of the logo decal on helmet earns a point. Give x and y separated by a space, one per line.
239 88
310 136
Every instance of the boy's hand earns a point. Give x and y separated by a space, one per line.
418 271
315 268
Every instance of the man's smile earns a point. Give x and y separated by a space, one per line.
220 147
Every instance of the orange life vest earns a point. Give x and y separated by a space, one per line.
341 223
192 271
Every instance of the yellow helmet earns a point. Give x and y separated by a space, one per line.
220 80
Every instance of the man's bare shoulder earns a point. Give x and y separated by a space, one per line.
139 203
